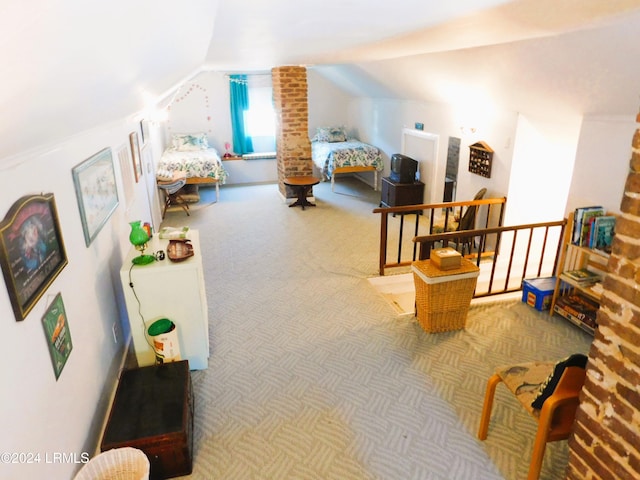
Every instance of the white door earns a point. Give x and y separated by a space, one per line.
423 147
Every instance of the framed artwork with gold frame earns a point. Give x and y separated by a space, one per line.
32 252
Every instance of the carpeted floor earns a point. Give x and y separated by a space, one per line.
313 375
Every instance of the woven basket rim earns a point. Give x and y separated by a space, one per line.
125 463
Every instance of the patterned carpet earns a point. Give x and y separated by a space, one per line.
312 373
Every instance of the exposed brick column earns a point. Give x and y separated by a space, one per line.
606 438
292 137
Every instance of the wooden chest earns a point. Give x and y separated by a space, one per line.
153 411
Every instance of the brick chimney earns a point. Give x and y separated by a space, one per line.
606 438
292 136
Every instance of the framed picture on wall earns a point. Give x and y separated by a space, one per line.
135 155
144 131
57 333
32 250
96 191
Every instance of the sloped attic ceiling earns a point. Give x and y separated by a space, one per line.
593 71
580 60
72 65
255 34
536 56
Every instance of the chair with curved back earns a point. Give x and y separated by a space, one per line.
468 222
549 392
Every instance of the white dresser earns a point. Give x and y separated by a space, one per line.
173 290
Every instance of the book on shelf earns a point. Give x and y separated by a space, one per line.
573 319
602 233
578 309
583 276
588 216
596 289
577 221
588 242
604 251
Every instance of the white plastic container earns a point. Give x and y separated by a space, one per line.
164 337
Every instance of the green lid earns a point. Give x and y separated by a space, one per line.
158 327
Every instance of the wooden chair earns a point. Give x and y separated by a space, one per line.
468 222
555 417
172 196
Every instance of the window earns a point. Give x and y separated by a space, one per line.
253 115
260 119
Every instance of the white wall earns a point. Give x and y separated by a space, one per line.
602 162
201 105
37 413
243 172
328 104
534 158
544 155
381 121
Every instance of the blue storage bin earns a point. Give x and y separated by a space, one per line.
537 292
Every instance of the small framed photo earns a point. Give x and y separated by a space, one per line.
144 131
32 250
57 333
96 191
135 155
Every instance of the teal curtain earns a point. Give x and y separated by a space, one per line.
239 95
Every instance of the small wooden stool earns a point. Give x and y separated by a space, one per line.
301 186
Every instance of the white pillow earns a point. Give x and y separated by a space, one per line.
186 142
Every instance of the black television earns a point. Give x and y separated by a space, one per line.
403 168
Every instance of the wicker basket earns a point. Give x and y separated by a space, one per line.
443 296
117 464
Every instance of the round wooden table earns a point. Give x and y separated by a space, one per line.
301 186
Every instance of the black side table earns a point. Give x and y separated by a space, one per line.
395 194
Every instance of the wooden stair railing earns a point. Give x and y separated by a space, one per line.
425 223
519 252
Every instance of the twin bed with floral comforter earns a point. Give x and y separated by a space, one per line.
191 154
333 153
201 166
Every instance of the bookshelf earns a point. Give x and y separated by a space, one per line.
578 288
